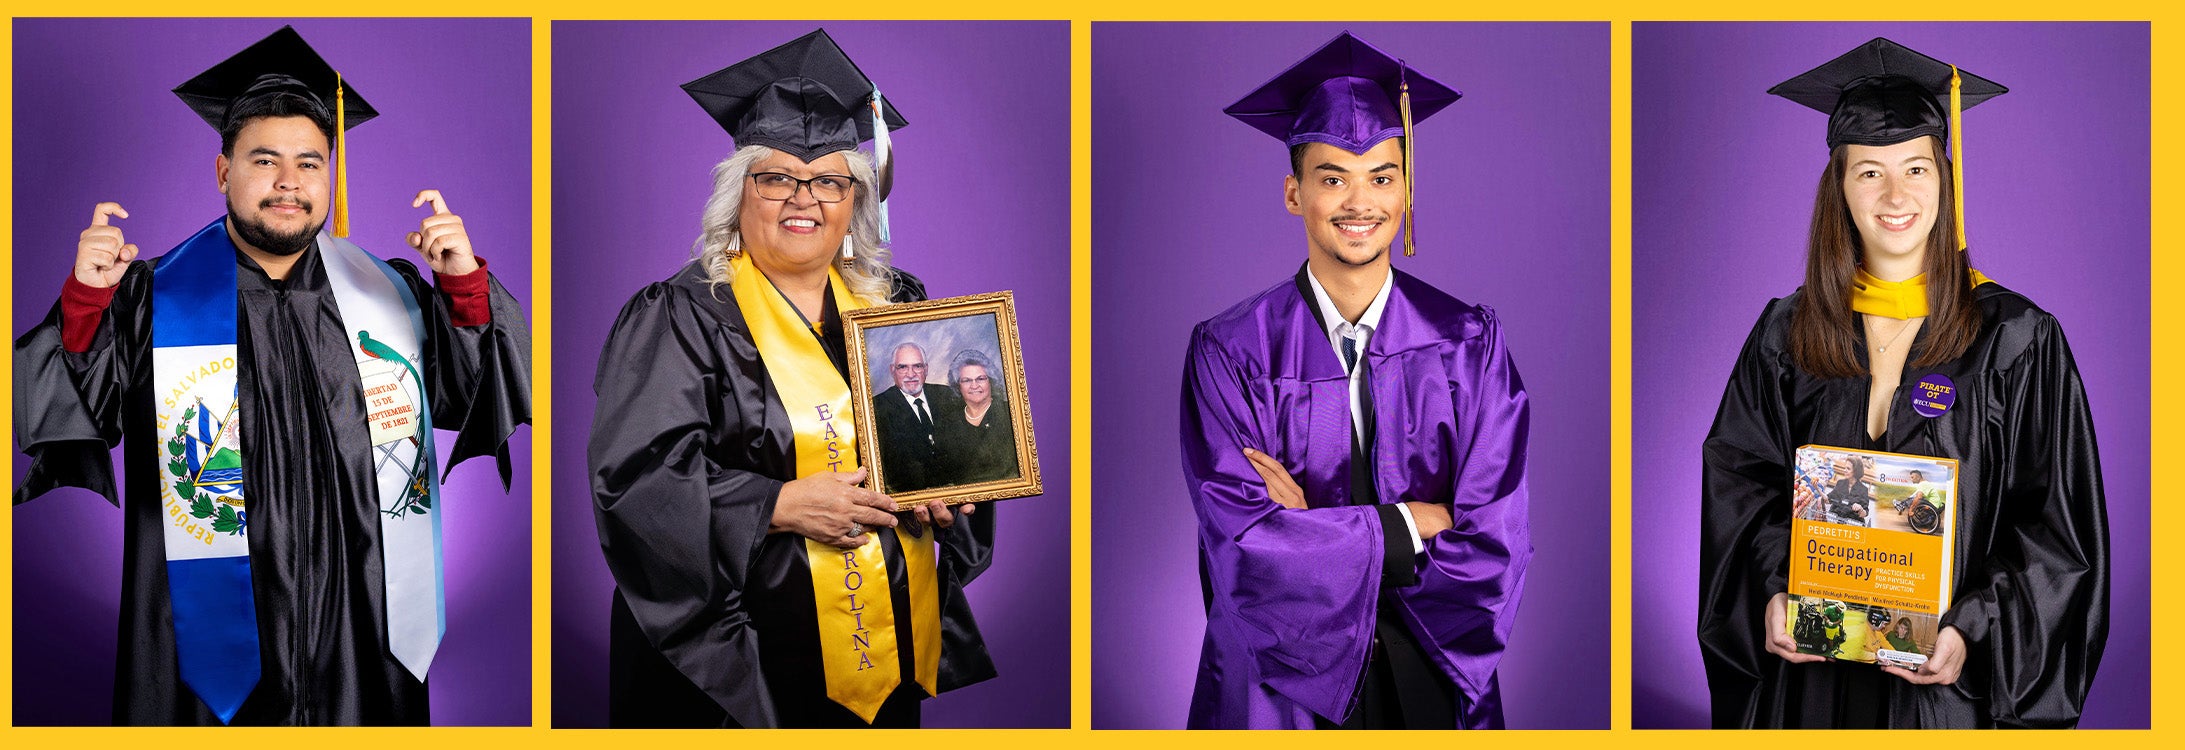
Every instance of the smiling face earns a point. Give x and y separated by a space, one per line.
1894 195
275 180
974 385
909 369
798 232
1351 202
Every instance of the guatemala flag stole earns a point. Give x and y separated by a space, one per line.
857 617
205 447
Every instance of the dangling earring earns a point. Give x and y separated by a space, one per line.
849 248
735 245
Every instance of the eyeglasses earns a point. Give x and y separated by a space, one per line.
826 188
921 367
980 380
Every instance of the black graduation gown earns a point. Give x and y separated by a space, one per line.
2032 589
713 621
314 516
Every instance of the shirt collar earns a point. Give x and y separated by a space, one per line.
1339 328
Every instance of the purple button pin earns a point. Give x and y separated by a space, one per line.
1933 395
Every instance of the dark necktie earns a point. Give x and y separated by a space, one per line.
1350 354
925 419
1362 491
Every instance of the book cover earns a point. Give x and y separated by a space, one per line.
1872 540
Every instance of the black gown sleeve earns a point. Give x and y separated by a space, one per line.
1399 564
481 374
68 405
2035 614
681 531
966 550
1744 523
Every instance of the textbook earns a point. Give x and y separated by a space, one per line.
1872 539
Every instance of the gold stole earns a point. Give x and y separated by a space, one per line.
1903 300
850 587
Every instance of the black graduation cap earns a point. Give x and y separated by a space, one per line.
804 97
282 62
1884 93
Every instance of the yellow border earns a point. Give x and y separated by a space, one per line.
7 369
2163 400
542 372
1081 377
1619 365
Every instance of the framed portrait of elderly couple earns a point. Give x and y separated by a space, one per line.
949 418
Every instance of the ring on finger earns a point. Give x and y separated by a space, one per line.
856 530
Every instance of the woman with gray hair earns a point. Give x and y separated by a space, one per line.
981 442
757 583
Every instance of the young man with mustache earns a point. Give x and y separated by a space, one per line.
1354 444
277 389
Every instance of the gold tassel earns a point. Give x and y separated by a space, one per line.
1411 228
341 162
1957 158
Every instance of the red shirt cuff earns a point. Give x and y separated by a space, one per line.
81 307
470 300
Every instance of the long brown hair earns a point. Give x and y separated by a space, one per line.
1824 333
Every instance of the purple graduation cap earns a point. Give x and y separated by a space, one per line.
1350 95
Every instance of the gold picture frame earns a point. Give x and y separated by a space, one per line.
943 453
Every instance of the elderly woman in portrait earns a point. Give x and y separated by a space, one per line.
980 442
757 584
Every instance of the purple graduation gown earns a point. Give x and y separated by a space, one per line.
1292 593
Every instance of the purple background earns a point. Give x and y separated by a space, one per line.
1513 189
981 204
1722 190
98 122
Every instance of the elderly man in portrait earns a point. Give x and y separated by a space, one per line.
910 458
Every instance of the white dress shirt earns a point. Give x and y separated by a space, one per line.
1359 331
